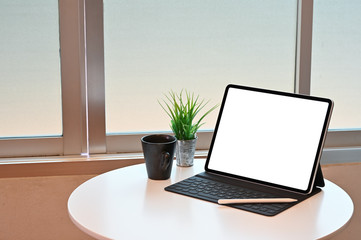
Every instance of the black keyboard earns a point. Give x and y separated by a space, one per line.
212 191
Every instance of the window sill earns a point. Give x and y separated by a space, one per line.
97 164
65 165
70 165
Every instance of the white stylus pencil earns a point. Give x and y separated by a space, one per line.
257 200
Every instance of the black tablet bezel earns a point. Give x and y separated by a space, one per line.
320 144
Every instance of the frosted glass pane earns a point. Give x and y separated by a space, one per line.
30 94
152 47
336 61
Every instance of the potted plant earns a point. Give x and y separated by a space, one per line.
182 108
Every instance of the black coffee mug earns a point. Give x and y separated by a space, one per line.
158 153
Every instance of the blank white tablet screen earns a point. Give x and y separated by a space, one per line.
268 137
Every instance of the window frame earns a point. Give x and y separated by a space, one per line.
72 57
83 89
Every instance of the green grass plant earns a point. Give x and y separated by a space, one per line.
182 108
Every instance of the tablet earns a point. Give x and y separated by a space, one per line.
269 137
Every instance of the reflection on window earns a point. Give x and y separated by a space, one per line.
152 47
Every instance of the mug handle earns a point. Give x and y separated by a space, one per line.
165 161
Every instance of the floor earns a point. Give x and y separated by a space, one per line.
36 207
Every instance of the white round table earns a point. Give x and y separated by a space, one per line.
125 204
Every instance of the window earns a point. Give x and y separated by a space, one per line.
337 59
150 47
30 55
30 93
